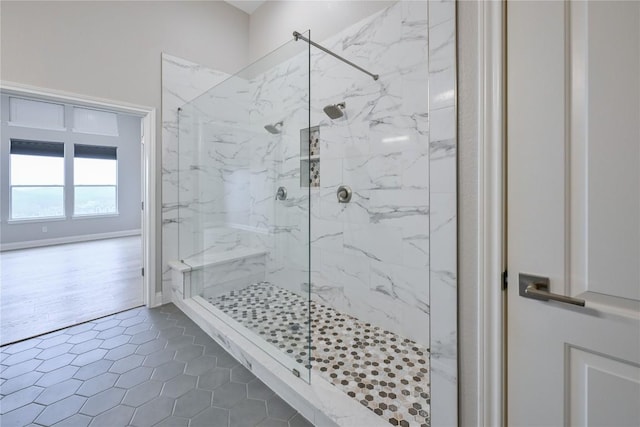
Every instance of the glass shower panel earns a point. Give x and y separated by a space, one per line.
244 203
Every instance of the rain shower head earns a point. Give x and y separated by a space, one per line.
335 111
274 128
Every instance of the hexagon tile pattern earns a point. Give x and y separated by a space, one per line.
141 367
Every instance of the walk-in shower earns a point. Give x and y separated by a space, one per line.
315 246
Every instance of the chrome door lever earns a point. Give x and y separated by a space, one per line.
537 287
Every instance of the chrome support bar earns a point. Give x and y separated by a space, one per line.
297 35
537 287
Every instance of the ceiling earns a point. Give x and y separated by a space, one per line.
248 6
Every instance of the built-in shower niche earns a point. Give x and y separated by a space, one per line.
310 157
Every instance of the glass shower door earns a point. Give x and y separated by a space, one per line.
244 214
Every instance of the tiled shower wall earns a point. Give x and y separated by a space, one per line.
370 257
388 256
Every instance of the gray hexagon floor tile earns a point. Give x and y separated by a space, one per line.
97 384
192 403
21 356
103 401
59 375
168 370
19 398
247 413
214 378
212 417
258 390
134 377
240 374
299 421
153 412
20 382
140 367
201 365
60 410
112 332
93 369
230 394
86 346
278 408
188 353
158 358
272 422
173 422
127 363
89 357
118 416
142 393
58 391
177 386
77 420
21 416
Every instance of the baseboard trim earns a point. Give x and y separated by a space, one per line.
71 239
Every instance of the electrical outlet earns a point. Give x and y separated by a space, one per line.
44 228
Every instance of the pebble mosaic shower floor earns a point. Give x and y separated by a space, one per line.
383 371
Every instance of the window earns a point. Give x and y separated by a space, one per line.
37 179
95 172
36 114
95 122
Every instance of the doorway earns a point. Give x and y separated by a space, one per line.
97 256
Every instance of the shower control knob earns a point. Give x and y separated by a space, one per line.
281 194
344 194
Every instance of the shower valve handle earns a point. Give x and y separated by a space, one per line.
281 194
344 194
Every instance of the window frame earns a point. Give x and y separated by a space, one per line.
75 215
11 219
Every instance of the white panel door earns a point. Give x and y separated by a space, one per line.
573 108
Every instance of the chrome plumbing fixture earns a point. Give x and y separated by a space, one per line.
274 128
335 111
281 194
344 194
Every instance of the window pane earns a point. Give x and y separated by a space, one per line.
36 170
36 202
95 122
94 171
95 200
37 114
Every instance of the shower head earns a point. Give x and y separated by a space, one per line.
274 128
335 111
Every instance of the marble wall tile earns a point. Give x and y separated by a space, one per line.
182 81
443 208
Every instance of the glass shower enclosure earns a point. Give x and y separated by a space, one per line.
245 163
315 210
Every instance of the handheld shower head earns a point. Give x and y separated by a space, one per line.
274 128
335 111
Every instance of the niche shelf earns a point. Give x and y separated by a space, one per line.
310 157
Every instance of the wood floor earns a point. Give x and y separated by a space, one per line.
44 289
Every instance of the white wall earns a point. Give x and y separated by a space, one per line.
273 23
129 180
112 49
